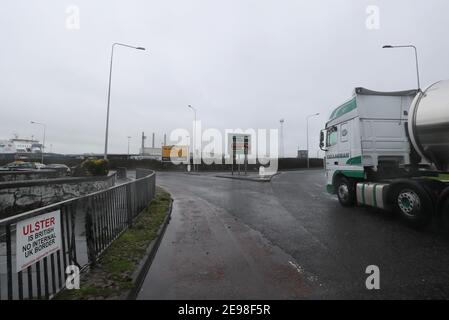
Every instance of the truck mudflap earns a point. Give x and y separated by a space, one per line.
372 194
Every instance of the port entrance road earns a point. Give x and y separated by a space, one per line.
288 239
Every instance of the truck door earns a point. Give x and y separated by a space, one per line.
331 146
344 145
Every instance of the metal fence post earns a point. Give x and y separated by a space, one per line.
90 240
9 260
129 205
153 186
73 213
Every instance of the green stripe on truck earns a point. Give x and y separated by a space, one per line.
344 109
352 173
354 161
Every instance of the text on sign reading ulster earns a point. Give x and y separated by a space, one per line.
38 225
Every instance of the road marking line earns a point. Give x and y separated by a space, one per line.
297 267
301 271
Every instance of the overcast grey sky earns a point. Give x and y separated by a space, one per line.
241 63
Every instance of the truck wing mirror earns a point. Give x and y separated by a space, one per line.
322 144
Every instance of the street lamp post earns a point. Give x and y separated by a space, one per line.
43 141
194 134
307 136
109 93
129 138
416 58
282 138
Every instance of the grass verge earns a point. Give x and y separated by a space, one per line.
111 277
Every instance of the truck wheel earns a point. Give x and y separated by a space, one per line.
433 187
345 192
413 204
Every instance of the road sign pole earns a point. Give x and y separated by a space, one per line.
234 142
245 146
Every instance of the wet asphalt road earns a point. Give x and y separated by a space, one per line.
288 239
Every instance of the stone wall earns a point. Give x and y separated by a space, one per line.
30 175
18 197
